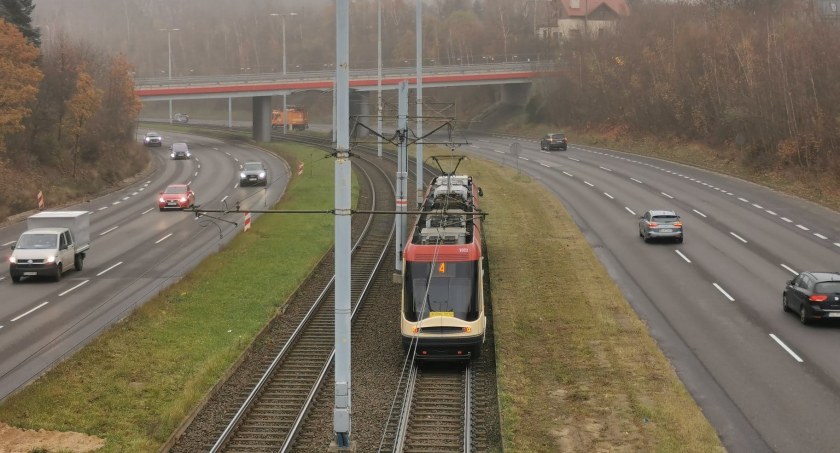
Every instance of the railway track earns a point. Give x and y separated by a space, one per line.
272 403
377 361
436 411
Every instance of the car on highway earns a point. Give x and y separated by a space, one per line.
179 151
181 118
253 173
661 224
176 196
813 295
556 140
152 139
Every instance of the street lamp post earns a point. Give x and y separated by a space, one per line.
169 47
283 25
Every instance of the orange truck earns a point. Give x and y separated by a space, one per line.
297 119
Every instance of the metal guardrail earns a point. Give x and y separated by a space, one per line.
157 82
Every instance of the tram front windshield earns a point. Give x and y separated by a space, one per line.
451 292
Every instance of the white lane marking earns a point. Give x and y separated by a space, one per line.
738 237
699 213
195 174
497 151
199 166
102 208
604 168
802 227
8 243
589 184
683 256
572 158
545 165
116 202
126 198
786 348
189 182
663 193
241 166
134 193
770 212
71 289
106 270
236 159
2 278
758 206
236 185
609 196
30 311
837 244
524 158
820 236
629 210
786 219
789 269
141 189
225 152
147 210
723 292
730 193
744 200
108 230
634 179
568 174
223 199
148 182
163 238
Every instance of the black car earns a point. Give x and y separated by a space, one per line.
554 141
813 295
179 151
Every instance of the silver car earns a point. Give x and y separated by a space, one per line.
253 173
661 224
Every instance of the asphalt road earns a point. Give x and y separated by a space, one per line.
713 303
136 252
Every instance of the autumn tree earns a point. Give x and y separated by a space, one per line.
19 78
82 107
120 105
19 13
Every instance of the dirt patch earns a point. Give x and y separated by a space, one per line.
17 440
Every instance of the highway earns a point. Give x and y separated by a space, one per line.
713 303
136 252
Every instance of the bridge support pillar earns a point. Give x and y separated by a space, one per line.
516 93
261 126
360 111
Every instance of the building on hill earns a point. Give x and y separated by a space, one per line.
571 18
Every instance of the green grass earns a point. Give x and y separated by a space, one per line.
137 382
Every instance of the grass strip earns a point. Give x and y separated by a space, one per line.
571 378
135 383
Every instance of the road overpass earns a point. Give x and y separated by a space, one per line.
514 79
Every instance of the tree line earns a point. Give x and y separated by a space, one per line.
67 116
756 78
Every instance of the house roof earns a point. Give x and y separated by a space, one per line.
618 6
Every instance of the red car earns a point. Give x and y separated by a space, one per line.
176 196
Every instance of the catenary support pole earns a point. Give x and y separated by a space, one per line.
419 149
343 188
402 173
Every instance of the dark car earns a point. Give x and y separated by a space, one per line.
179 151
661 224
152 139
253 173
554 141
813 295
176 196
